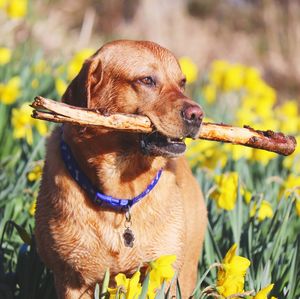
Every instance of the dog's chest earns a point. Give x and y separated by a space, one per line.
156 232
94 242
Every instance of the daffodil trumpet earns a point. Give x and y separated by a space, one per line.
46 109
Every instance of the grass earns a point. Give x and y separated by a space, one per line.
271 244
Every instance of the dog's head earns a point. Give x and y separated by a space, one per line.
140 77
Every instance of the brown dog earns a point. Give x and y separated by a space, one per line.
77 238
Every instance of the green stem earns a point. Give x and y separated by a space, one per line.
204 276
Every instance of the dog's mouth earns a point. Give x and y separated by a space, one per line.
156 144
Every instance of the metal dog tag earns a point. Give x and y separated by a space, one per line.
128 237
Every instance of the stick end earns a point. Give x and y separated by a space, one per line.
37 102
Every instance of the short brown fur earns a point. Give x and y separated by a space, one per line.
77 239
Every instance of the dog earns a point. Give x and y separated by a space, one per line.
147 202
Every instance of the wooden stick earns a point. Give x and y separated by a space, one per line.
60 112
50 110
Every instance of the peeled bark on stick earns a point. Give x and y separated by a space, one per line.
46 109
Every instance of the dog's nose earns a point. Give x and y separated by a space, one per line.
192 115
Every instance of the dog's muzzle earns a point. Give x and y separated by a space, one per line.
156 144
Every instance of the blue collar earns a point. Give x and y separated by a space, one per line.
98 198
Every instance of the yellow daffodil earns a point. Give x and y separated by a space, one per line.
233 78
201 152
246 194
23 123
257 112
36 173
264 92
289 108
129 287
251 78
262 157
159 271
189 68
217 72
10 91
231 274
268 123
5 55
16 8
206 153
252 118
245 114
253 210
288 117
289 125
162 268
60 86
209 92
226 193
32 208
298 207
263 293
292 185
265 211
264 109
249 102
77 61
238 152
153 287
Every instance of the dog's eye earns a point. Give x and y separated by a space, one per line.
149 81
182 83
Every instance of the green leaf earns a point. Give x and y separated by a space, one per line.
97 292
145 286
160 294
105 283
178 290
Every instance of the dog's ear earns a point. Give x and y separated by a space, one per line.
83 86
